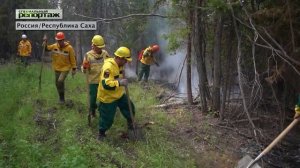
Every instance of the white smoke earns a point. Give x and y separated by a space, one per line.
170 64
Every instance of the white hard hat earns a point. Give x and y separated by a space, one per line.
24 36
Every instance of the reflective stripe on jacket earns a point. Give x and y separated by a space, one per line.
24 48
109 89
96 63
63 59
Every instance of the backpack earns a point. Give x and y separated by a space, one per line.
140 56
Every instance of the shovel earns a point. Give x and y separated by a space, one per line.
88 97
88 100
248 162
42 64
136 133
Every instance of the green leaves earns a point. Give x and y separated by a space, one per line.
219 5
176 38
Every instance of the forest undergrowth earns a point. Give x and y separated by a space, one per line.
36 131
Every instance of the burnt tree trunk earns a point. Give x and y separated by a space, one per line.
198 42
227 72
217 62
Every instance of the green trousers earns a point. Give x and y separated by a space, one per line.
108 111
144 71
93 96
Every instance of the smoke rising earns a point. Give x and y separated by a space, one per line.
172 67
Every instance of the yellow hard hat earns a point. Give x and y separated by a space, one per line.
123 52
98 41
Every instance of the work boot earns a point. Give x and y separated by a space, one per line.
61 98
101 135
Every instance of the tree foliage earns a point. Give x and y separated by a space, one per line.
268 30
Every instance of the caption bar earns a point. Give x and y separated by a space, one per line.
56 25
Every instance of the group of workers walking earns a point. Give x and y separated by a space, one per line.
104 75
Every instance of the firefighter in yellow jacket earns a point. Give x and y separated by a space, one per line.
111 91
91 66
146 61
24 50
63 61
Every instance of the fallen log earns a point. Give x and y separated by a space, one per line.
232 129
167 105
238 121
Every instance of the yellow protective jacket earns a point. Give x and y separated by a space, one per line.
148 57
96 63
109 88
24 48
63 59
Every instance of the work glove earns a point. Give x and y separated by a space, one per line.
86 64
123 82
297 111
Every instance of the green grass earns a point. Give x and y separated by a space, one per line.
35 131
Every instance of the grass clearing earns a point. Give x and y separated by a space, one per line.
37 132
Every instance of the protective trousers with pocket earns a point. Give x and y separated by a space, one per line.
93 96
144 71
108 111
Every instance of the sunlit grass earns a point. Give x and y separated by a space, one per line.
38 132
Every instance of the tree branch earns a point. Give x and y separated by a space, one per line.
239 54
291 25
280 52
123 17
281 49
